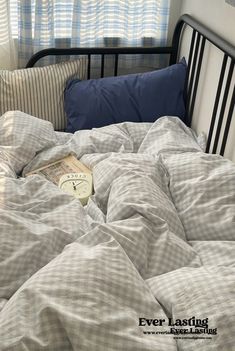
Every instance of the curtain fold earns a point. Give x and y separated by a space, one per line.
79 23
8 58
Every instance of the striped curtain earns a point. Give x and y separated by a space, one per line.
7 48
59 23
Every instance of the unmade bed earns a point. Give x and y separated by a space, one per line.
148 263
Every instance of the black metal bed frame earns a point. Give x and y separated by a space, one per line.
200 35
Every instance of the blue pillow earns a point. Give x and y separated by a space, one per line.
141 97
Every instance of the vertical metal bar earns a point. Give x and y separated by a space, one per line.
116 65
217 98
191 81
199 65
176 41
89 66
190 55
188 72
221 116
102 66
228 122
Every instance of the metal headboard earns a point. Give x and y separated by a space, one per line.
200 36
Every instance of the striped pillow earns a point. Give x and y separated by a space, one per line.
39 91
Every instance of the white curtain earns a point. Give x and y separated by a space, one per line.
8 53
59 23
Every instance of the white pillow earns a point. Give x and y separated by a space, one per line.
39 91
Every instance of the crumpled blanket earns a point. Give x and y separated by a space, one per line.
151 253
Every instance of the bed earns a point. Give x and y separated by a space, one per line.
148 263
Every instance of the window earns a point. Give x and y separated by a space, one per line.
39 24
14 18
93 20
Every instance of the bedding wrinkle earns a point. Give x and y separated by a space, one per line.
155 241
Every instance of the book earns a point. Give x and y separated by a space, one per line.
55 170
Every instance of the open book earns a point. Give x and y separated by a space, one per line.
55 170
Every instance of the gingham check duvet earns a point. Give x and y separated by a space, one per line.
151 253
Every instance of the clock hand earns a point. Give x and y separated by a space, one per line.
75 185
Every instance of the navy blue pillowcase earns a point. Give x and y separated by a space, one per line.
141 97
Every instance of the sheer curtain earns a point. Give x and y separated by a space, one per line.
60 23
8 58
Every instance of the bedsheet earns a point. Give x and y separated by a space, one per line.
148 264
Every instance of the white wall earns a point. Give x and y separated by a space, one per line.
216 14
175 12
220 17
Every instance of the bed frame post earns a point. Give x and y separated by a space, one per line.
176 42
200 35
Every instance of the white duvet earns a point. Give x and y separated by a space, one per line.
153 250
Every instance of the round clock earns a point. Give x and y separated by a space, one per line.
78 185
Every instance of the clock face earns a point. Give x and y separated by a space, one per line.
78 185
